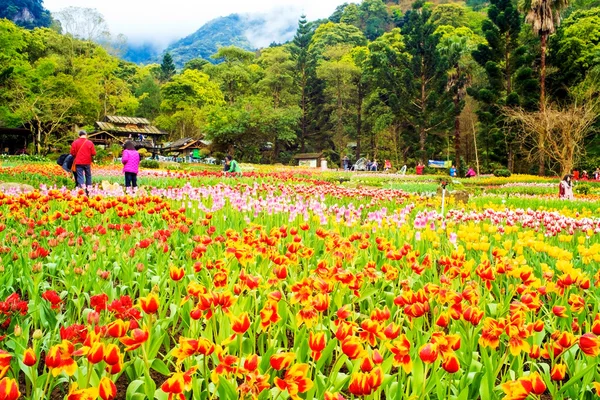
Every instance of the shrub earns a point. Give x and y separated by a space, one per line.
502 173
152 164
582 189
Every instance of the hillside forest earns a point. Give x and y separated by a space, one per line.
500 84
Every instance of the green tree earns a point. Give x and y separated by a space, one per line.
148 95
304 72
196 63
504 59
428 107
386 71
340 74
456 45
167 68
186 99
544 16
26 13
574 50
236 72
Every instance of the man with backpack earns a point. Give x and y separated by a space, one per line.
83 151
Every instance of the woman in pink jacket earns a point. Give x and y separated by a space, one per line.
131 164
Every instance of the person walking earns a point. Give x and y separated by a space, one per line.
131 164
83 151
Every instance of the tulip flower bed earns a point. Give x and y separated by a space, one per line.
282 286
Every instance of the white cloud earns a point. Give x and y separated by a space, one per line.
162 22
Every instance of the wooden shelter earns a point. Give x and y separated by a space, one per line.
14 140
188 148
117 129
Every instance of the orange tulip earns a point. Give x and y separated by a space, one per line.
334 396
560 311
5 358
352 347
295 381
96 353
58 359
107 389
400 348
428 353
9 389
149 304
137 338
240 324
365 383
282 360
117 328
589 344
536 383
316 342
29 357
176 273
558 372
82 394
451 364
112 354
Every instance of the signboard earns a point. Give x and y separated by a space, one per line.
311 163
440 164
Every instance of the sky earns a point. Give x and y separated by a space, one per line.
162 22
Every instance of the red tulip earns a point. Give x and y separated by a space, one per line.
589 344
240 324
29 357
149 304
107 390
9 389
558 372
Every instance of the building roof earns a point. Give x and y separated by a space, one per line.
115 119
185 143
306 156
15 131
127 128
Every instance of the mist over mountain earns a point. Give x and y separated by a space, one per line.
248 31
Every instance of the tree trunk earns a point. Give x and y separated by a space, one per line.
358 120
542 157
457 131
422 132
507 63
304 116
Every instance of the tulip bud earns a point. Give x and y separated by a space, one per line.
37 334
18 330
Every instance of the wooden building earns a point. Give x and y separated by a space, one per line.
117 129
187 148
14 140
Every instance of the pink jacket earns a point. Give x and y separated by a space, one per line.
131 161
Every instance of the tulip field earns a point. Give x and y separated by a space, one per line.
286 285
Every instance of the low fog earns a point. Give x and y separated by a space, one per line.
165 22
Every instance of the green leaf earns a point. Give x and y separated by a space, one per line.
160 367
132 389
226 389
575 379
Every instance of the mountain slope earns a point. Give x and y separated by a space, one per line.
223 31
26 13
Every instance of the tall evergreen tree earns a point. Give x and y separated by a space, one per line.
167 68
428 106
299 50
504 60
